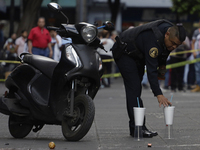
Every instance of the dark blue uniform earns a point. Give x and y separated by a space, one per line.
132 68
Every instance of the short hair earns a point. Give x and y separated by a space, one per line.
115 32
178 31
23 31
41 18
104 33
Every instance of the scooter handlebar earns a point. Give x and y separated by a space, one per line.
102 47
58 30
52 28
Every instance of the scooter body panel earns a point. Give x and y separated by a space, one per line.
33 87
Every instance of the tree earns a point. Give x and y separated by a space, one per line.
30 15
182 7
114 8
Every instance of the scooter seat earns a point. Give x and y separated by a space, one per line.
44 64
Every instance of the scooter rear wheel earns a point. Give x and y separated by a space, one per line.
75 128
18 126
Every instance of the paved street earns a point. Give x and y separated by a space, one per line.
110 128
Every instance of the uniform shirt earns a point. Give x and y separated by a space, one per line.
147 42
21 43
40 38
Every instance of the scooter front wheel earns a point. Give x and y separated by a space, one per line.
18 126
76 127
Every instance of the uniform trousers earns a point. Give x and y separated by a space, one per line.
132 74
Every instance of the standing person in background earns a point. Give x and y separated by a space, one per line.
9 46
189 68
56 42
39 40
113 35
196 45
20 42
177 73
10 49
167 76
191 78
1 35
107 43
13 38
11 54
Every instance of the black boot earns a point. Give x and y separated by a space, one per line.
154 133
146 133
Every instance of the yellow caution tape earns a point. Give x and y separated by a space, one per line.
10 61
107 60
175 65
111 75
183 63
183 52
171 54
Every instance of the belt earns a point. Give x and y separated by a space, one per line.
39 47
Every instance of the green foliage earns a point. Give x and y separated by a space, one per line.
186 7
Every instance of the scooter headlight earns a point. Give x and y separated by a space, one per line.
72 56
89 33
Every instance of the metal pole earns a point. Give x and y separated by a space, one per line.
12 13
21 9
168 131
72 99
81 10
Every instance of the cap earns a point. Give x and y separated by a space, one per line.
182 32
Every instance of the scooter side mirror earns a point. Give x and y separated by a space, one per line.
54 7
109 26
57 8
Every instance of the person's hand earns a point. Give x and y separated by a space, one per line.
163 67
161 72
30 51
194 54
105 42
163 101
50 54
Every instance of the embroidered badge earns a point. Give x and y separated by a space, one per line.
153 52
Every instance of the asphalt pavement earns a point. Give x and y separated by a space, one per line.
110 127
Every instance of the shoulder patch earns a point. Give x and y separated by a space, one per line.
153 52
